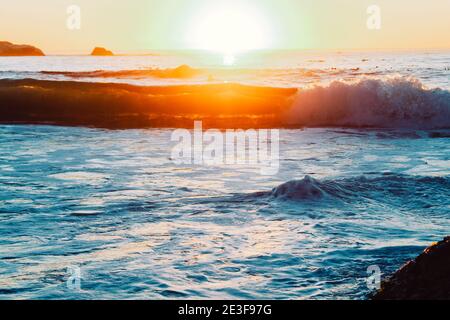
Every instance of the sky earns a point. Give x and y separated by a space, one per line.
225 25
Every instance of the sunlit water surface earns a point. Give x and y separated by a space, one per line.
268 68
137 225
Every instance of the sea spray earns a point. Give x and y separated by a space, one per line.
388 103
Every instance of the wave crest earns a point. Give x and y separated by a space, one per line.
385 187
392 102
308 188
181 72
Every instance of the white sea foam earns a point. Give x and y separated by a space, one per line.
390 102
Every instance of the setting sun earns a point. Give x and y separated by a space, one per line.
229 28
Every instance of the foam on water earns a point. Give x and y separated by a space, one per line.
308 188
395 102
415 191
140 226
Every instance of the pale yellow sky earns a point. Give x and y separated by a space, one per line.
144 25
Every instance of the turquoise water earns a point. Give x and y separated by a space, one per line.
138 226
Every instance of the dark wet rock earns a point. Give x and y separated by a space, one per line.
425 278
99 51
10 49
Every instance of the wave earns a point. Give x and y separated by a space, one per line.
307 189
394 103
181 72
424 191
220 74
115 105
387 103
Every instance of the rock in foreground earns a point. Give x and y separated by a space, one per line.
99 51
425 278
9 49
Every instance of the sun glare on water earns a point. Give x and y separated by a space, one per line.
229 28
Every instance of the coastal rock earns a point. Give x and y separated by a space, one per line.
99 51
425 278
10 49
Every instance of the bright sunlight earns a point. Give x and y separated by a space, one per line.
229 28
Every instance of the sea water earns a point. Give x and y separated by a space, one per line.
91 213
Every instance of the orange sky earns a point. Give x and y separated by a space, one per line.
143 25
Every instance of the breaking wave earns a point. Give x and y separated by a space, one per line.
395 103
387 103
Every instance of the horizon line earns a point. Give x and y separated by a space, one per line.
149 52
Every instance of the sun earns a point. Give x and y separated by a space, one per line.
229 28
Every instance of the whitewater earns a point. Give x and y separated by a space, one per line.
363 180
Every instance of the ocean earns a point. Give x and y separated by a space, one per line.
92 211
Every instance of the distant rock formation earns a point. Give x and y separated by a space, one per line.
425 278
10 49
99 51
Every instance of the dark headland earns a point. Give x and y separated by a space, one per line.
425 278
8 49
